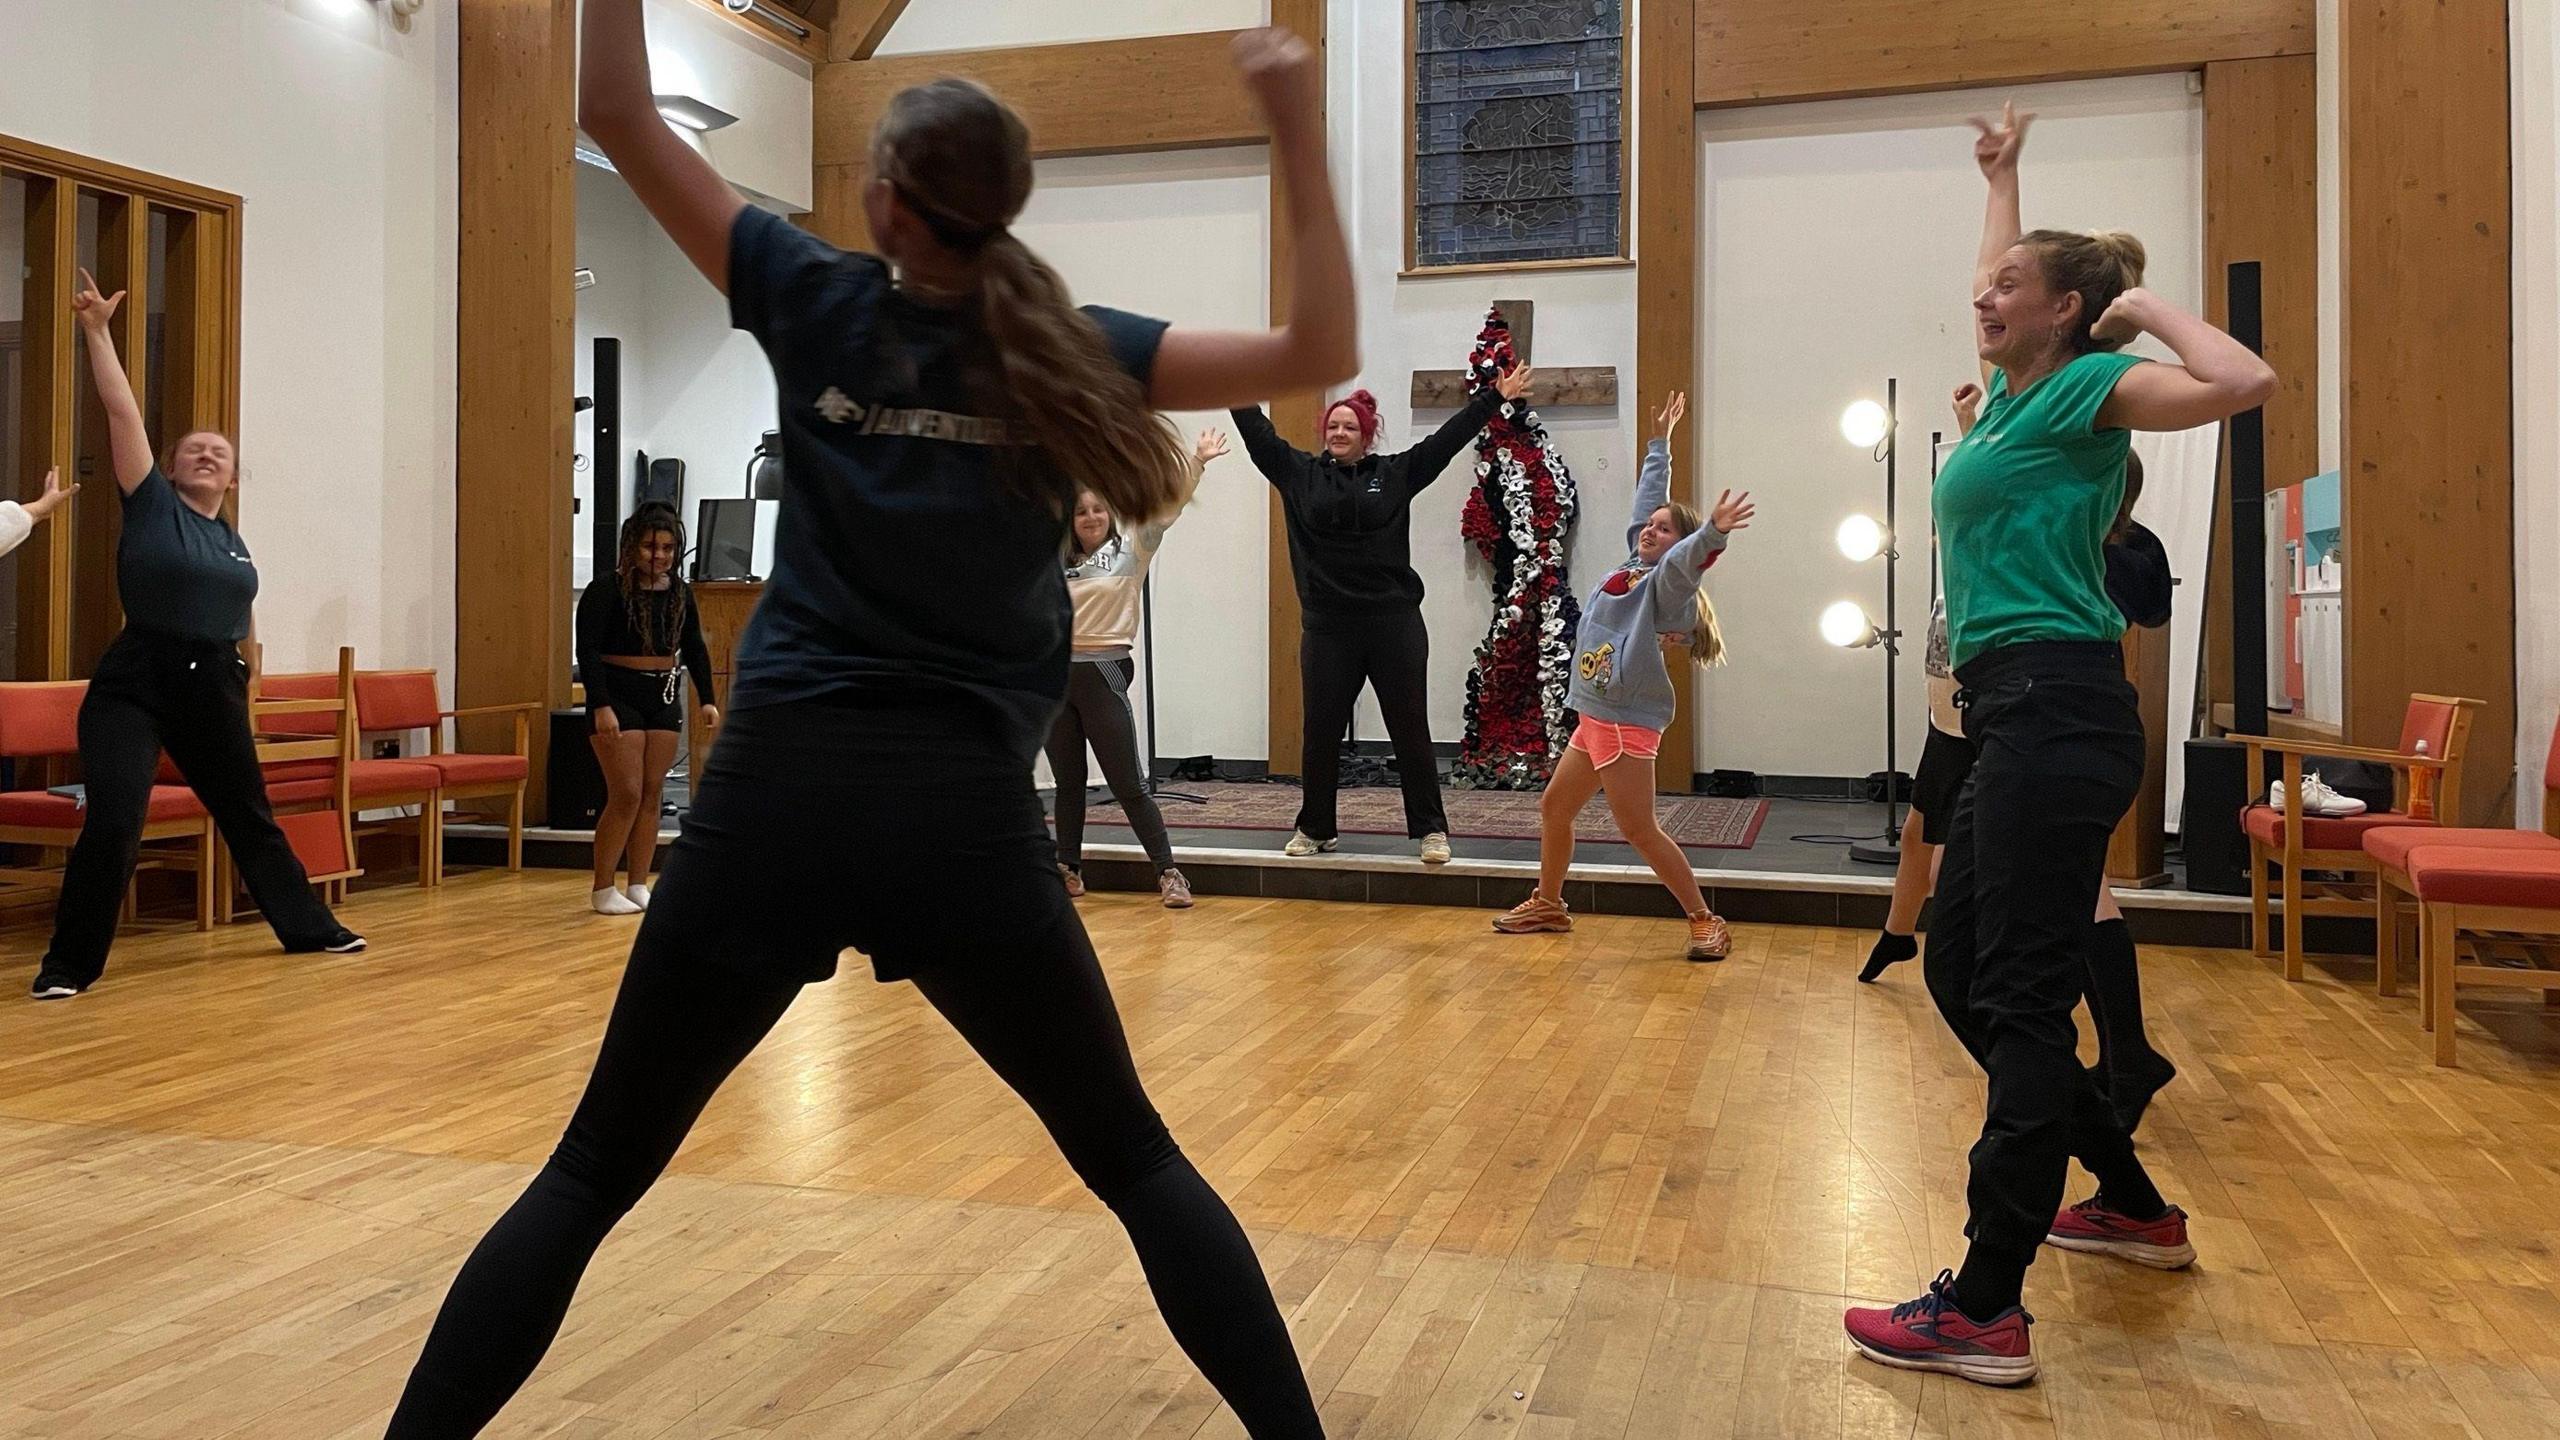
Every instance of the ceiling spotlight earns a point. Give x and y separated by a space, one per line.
700 116
1848 627
1863 424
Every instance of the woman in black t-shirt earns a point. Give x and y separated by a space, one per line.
638 635
172 680
872 788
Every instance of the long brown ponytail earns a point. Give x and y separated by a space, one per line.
961 160
1706 634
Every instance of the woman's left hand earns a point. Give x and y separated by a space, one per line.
1514 382
708 717
55 493
1733 512
2125 319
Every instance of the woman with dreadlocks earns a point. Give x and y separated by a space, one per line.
634 625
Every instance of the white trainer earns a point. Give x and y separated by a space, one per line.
1300 846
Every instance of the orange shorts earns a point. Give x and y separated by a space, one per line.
1605 742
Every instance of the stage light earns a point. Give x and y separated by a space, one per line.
1848 627
1864 424
1860 538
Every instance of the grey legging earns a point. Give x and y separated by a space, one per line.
1097 714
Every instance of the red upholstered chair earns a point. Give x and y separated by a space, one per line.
399 701
2391 849
2441 722
372 784
307 749
2483 895
40 720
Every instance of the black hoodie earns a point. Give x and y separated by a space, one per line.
1350 549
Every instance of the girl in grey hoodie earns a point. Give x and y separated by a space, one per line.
1621 688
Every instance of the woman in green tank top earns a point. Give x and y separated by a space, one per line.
2023 508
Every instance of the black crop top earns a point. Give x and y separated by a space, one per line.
605 628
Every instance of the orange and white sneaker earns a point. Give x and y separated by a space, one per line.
1535 915
1709 937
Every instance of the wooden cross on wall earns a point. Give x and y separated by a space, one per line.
1572 385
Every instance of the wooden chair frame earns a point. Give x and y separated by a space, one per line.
2356 896
338 746
201 857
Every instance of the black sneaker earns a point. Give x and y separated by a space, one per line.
342 942
54 985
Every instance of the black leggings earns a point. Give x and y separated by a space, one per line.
190 697
1038 1012
1392 654
1097 713
2058 747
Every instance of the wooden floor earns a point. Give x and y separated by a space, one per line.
1557 1187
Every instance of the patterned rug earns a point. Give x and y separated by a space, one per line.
1699 822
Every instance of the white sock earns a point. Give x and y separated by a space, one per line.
637 895
609 901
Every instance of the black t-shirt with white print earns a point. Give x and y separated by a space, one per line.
909 558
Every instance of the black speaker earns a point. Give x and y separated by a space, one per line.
2218 785
577 783
2248 518
607 468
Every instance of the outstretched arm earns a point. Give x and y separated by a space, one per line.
17 521
1653 480
1319 344
619 109
1424 462
1996 150
2218 377
1274 457
128 439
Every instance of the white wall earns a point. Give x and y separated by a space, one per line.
694 52
1840 240
340 134
978 24
2535 58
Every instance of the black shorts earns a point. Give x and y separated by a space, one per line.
641 699
908 831
1946 762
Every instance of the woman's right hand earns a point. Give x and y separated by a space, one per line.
90 308
606 722
1669 417
1211 444
1996 147
1514 382
1968 403
1285 73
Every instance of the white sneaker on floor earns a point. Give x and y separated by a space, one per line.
1300 846
1435 849
637 895
2317 799
609 901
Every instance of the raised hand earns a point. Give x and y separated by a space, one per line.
1211 444
1668 418
92 309
1996 147
1285 73
1733 512
1514 382
54 497
1968 403
2124 318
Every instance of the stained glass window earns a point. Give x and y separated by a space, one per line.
1519 130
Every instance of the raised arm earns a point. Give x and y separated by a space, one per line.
1996 149
1319 344
1653 478
1276 458
618 108
2216 378
17 521
1208 445
1424 462
128 439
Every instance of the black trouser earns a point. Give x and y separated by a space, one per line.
190 698
2058 746
820 826
1337 654
1097 713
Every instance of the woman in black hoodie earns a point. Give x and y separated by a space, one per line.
1349 514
